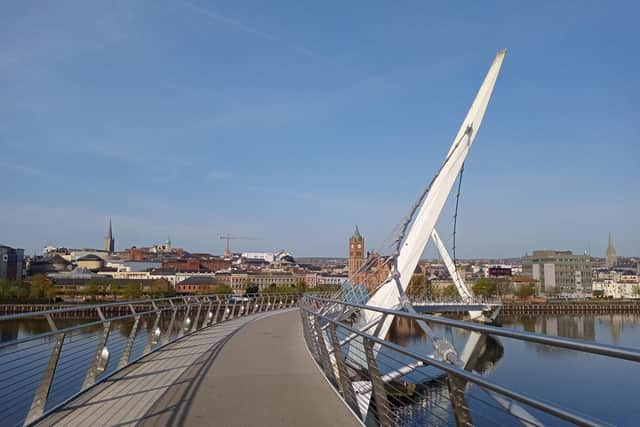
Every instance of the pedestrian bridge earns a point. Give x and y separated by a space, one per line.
269 360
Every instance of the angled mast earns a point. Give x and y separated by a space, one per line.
427 212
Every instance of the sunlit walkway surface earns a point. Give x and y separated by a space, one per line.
247 371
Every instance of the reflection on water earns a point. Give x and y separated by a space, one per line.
603 387
591 384
22 365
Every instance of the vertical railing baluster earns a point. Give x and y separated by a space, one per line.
185 321
218 305
42 392
232 313
345 382
99 356
458 402
225 313
209 316
379 393
124 359
154 334
325 361
195 320
169 331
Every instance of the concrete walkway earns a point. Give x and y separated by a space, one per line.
252 370
265 376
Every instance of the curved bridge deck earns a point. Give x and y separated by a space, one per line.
247 371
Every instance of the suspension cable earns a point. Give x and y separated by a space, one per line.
455 217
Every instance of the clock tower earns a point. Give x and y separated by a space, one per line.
356 252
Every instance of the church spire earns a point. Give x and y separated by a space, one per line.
109 243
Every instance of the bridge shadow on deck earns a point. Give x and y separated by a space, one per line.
242 372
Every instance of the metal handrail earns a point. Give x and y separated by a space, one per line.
185 320
217 298
571 344
461 373
128 302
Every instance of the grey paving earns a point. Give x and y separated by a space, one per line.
247 371
265 376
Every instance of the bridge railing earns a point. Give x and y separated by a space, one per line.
62 352
387 384
454 301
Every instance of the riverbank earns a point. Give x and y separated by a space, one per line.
568 307
80 310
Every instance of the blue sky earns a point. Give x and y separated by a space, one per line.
292 121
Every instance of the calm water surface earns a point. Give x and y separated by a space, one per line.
602 387
606 388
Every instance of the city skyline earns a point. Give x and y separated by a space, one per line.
245 120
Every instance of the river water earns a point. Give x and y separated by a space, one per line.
605 388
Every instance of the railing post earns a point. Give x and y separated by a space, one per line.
42 392
458 401
218 305
100 357
345 382
379 393
195 320
232 313
256 305
124 359
154 336
225 313
311 342
185 323
167 334
209 316
325 361
241 310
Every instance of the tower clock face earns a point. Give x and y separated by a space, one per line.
359 245
352 246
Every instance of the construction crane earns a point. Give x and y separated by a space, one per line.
228 238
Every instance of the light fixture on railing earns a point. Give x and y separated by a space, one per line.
103 360
187 322
241 308
209 316
155 336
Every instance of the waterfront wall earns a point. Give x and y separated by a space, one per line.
571 307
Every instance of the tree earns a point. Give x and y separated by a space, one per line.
91 288
526 290
484 287
450 291
115 290
132 290
252 290
301 286
159 287
222 289
41 288
416 286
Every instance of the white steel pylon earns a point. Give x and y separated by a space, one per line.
426 214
